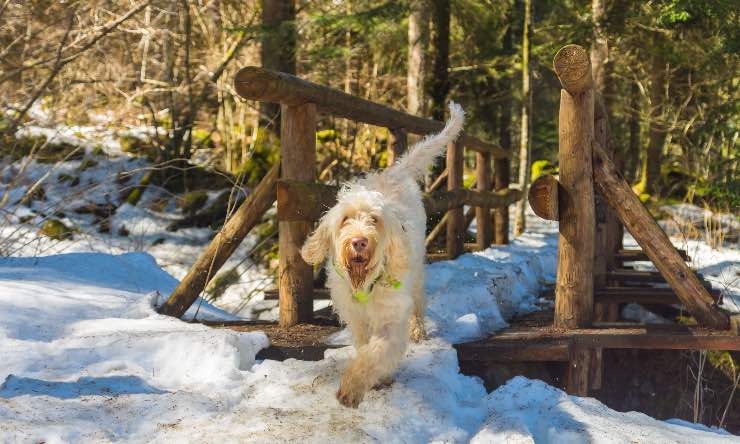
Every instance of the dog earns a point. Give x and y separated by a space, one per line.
373 244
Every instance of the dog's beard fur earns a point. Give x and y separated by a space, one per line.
356 264
359 265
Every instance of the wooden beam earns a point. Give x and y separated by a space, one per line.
223 245
574 285
623 276
654 242
579 364
438 181
299 200
543 197
254 83
639 255
501 177
298 154
455 216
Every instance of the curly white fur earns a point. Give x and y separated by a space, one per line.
385 208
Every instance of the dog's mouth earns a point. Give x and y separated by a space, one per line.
357 267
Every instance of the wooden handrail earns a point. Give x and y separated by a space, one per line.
308 201
255 83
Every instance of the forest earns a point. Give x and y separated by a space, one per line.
140 186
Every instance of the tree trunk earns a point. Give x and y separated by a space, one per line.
524 142
440 82
278 49
418 41
657 134
502 166
632 156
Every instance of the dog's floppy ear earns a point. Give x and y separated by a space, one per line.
396 246
317 245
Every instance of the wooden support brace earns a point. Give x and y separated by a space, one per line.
223 245
654 242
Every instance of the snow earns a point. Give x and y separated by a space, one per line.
86 358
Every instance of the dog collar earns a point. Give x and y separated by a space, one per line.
362 296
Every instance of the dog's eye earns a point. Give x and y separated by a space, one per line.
374 219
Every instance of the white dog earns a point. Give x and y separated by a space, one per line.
374 241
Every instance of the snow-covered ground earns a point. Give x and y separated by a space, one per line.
85 358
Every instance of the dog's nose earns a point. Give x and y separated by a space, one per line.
359 243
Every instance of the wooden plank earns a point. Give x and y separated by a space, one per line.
543 197
601 209
255 83
653 241
575 279
300 352
551 351
623 276
318 294
298 154
639 255
223 245
501 177
299 200
484 182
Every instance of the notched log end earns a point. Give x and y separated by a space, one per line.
543 197
573 68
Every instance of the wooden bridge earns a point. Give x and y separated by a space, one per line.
590 199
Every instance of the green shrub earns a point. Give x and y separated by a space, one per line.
55 229
544 166
192 201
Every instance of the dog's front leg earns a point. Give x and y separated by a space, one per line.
375 361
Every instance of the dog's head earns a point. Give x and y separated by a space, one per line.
362 235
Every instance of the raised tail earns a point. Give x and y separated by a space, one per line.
420 157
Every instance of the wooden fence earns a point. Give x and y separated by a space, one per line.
301 200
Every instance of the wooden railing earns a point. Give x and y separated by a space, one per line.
301 200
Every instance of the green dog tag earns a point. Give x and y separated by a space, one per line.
361 296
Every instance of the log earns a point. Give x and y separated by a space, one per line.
254 83
654 242
639 255
573 67
298 200
298 154
438 181
543 197
612 229
484 223
223 245
455 216
574 286
501 177
399 144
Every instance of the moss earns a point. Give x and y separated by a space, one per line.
221 283
97 150
192 201
261 158
138 147
159 204
202 138
135 195
55 229
543 166
327 135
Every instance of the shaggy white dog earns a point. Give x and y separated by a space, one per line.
374 241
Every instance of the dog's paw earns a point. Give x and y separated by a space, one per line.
417 332
349 398
383 383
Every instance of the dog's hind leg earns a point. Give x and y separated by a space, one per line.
417 332
375 362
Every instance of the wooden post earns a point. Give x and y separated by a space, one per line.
399 144
578 371
298 154
502 176
606 249
484 234
455 216
223 245
654 242
574 286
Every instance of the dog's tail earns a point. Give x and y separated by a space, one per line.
421 156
